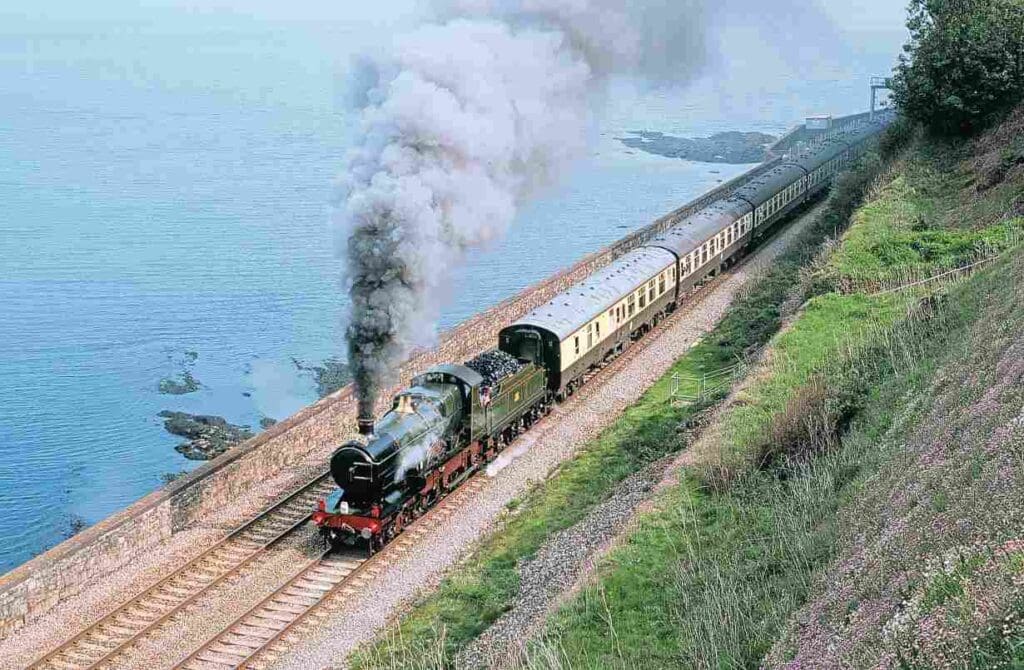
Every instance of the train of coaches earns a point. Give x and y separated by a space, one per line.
455 418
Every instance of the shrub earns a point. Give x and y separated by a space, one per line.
964 64
897 137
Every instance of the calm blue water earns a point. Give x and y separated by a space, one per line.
163 182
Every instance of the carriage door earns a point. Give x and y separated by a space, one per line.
529 347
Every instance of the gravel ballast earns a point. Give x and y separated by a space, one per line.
552 441
530 460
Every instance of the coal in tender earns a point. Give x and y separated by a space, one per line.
494 366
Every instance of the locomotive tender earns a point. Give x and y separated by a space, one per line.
453 419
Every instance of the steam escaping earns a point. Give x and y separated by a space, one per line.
461 122
417 455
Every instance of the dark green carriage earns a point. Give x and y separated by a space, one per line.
510 399
490 410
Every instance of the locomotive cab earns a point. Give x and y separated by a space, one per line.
532 344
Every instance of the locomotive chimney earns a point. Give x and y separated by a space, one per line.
365 425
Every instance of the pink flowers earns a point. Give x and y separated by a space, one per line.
931 573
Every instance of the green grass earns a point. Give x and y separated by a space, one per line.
893 233
711 577
486 585
829 327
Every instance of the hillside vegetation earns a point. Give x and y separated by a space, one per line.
860 501
485 586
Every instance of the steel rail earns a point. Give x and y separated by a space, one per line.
80 652
217 652
239 645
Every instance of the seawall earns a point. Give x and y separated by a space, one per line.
29 591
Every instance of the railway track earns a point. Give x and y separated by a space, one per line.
273 625
100 645
270 627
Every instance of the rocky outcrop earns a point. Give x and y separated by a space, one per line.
728 147
208 436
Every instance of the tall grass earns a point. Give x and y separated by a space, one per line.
709 579
475 595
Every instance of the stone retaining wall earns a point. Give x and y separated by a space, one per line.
32 589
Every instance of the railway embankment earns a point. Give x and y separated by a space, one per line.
464 620
275 455
856 501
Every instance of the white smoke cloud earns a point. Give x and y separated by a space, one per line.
460 122
416 456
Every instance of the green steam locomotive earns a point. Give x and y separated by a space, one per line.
454 418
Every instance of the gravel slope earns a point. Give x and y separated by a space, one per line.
530 459
549 443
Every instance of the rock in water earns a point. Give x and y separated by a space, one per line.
184 383
728 147
208 436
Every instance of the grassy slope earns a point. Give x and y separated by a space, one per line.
486 585
810 467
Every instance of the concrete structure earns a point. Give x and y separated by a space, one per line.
819 122
878 84
32 589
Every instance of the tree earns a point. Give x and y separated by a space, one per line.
964 63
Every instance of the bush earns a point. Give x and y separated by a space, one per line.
964 64
809 425
897 137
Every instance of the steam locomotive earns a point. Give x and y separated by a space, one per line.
455 418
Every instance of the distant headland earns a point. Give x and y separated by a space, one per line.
731 147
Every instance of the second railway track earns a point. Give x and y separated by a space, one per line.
270 627
102 643
266 630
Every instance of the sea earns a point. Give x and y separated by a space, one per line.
164 184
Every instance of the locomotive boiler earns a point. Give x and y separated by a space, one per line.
452 419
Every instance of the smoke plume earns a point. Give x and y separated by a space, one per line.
460 122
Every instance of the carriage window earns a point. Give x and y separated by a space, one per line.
643 298
597 328
590 336
661 283
577 342
632 304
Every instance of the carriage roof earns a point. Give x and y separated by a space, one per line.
572 309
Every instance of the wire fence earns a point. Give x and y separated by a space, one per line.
688 389
942 279
904 278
